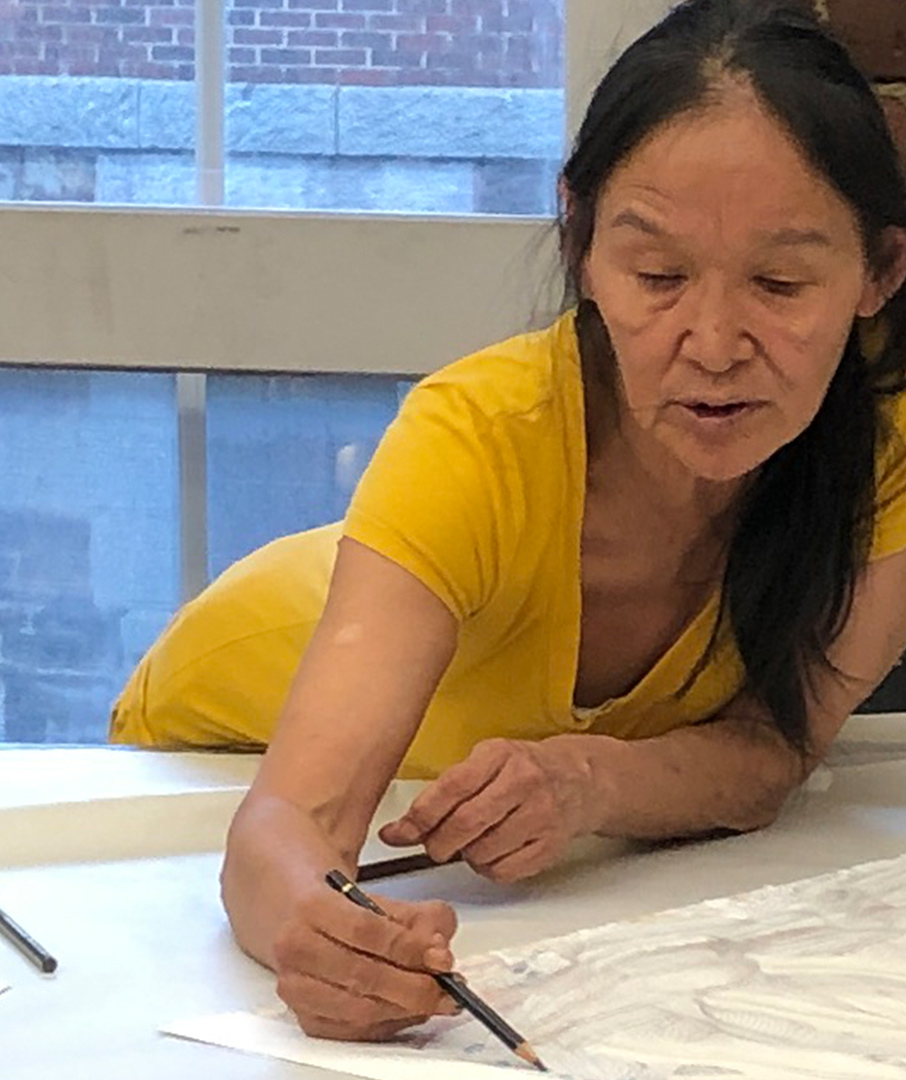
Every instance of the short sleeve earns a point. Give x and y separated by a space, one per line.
435 495
890 521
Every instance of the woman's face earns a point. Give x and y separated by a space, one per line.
728 273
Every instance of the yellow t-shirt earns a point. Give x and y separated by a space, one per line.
477 489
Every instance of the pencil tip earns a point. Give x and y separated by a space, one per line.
528 1055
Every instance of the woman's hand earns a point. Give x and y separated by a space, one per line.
511 808
348 973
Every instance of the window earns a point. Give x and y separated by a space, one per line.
89 538
284 453
415 106
446 106
284 310
90 488
96 101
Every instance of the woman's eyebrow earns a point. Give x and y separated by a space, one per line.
633 220
796 238
786 237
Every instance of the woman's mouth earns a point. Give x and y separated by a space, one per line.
729 410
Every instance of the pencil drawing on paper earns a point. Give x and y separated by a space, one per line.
805 981
790 982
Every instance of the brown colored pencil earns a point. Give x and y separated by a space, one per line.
401 864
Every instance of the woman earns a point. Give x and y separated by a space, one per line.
628 575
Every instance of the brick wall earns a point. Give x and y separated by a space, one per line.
514 43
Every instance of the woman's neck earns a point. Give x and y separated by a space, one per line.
633 478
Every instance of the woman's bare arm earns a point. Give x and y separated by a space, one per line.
736 772
371 668
511 807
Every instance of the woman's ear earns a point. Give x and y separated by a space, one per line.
881 286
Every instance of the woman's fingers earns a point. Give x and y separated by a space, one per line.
326 1028
378 1033
455 788
355 973
427 919
389 938
508 804
317 1002
368 977
524 862
507 795
481 819
508 836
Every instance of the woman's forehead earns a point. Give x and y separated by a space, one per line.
729 164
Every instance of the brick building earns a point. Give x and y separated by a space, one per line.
448 106
514 43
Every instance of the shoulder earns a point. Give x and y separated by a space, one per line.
521 376
476 449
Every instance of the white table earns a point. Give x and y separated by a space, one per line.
110 858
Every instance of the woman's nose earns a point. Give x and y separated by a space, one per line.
713 334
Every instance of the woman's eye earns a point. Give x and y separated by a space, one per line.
779 287
661 282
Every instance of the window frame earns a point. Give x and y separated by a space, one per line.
90 282
390 293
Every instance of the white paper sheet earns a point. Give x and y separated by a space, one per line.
791 982
278 1036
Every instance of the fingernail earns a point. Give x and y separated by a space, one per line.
406 832
438 958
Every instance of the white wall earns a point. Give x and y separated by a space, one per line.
265 292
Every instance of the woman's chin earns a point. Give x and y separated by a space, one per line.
724 466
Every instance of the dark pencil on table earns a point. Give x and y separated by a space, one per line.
401 864
453 983
26 944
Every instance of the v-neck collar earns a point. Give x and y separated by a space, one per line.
668 675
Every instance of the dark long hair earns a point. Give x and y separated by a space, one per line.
805 527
